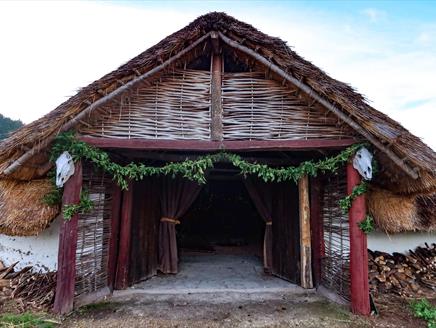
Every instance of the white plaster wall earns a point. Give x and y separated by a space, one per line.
400 242
39 251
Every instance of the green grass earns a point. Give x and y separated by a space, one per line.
25 320
424 310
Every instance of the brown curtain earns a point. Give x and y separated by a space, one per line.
177 195
261 194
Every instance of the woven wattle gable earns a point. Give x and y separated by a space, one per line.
258 108
177 106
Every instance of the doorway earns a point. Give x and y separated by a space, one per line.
220 239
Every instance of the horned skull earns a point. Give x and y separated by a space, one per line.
362 162
64 168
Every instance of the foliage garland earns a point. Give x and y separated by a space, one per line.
193 170
367 224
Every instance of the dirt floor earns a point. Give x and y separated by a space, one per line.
214 310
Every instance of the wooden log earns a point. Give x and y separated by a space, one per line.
66 274
305 239
216 121
316 226
123 261
115 227
103 100
358 248
203 145
412 172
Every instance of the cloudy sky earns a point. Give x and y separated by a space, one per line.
386 50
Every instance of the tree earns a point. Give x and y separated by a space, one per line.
7 126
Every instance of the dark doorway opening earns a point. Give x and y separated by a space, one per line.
222 220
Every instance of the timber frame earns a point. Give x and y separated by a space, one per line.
216 104
310 216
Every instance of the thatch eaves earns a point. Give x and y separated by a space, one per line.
22 211
390 133
395 213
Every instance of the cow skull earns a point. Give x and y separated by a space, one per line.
64 168
362 162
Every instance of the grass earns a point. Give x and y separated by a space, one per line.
26 320
424 310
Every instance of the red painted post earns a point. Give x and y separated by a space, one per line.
66 274
115 230
122 271
358 248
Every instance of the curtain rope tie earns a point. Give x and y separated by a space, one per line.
165 219
268 222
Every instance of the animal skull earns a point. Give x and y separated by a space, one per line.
362 162
64 168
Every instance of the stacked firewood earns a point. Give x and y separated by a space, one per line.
405 275
31 290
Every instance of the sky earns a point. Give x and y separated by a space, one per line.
386 50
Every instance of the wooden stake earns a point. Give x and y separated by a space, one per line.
122 272
216 122
358 248
305 240
66 274
316 226
115 230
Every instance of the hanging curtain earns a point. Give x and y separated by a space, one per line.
177 195
261 194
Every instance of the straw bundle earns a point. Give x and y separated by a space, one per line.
396 213
22 212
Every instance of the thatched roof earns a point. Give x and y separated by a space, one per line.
22 212
395 213
388 132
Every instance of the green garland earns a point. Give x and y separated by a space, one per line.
193 170
367 225
346 202
85 206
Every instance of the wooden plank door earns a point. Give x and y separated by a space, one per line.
285 227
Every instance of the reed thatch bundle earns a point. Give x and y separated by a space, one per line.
22 212
390 133
395 213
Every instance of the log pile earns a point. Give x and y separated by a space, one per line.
404 275
30 290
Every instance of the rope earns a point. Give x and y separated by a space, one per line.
165 219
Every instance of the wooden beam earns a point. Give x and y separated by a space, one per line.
306 280
66 273
314 95
316 227
115 231
70 123
358 248
206 145
122 271
216 112
215 42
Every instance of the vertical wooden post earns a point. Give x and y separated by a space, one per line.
122 271
115 231
358 248
305 240
216 122
316 225
66 273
